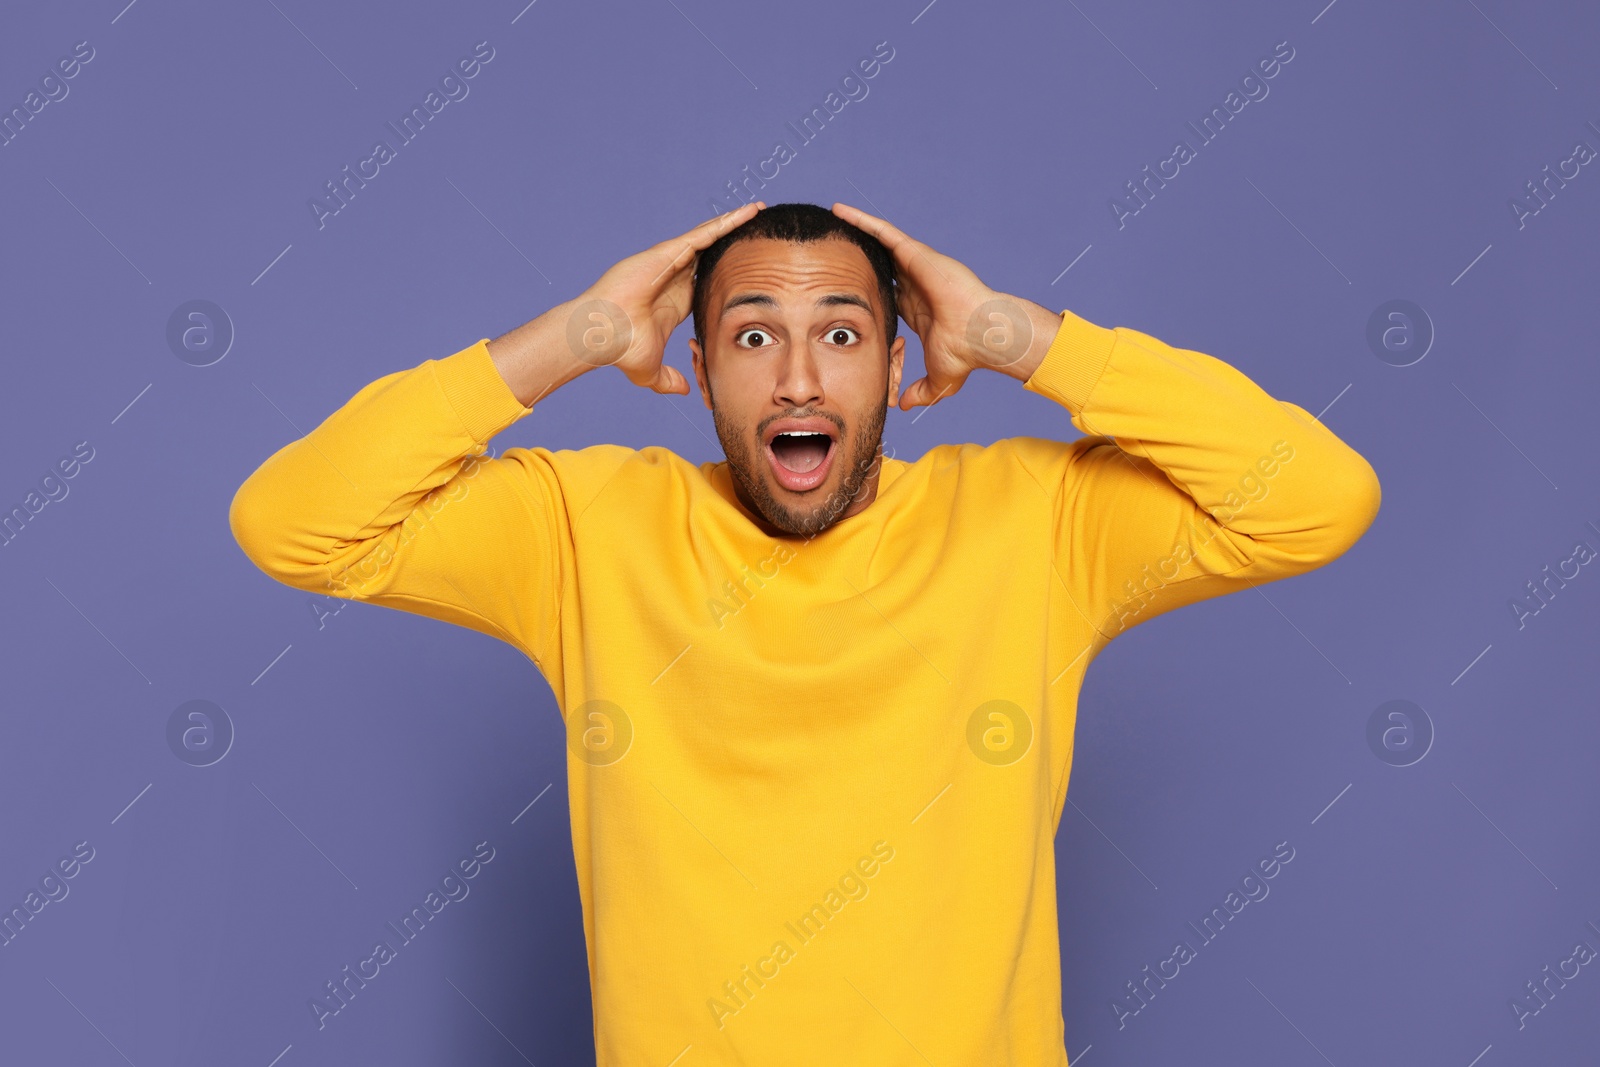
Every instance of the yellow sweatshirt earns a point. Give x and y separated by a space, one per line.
815 784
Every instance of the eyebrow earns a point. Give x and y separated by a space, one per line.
826 300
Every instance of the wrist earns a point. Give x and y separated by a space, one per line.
539 357
1074 361
1027 330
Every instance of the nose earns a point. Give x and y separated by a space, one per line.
799 381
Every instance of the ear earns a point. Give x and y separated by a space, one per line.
700 372
897 356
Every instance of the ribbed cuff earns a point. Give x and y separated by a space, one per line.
474 387
1073 363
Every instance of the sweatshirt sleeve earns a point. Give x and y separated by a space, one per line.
1191 481
390 501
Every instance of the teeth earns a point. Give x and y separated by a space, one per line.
802 433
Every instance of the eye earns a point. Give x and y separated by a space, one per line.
833 335
765 338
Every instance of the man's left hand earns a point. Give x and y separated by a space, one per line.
962 323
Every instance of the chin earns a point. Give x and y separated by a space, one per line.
801 518
837 483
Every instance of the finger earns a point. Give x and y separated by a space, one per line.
686 247
888 233
701 237
907 251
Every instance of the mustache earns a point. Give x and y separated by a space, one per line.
837 420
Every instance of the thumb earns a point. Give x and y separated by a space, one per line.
668 380
919 392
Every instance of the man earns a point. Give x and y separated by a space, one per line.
819 700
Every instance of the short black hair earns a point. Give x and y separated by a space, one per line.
799 223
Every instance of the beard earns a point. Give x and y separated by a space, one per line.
747 462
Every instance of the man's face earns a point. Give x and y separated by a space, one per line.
795 362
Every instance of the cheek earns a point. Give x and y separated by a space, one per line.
734 397
858 388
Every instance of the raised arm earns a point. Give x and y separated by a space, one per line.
1193 482
390 500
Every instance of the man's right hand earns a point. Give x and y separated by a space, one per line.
624 320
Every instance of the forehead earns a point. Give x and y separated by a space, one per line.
764 264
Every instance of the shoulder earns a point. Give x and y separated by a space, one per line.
1043 460
595 460
580 473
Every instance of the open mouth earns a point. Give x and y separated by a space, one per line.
800 459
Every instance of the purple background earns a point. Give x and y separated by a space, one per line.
376 749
